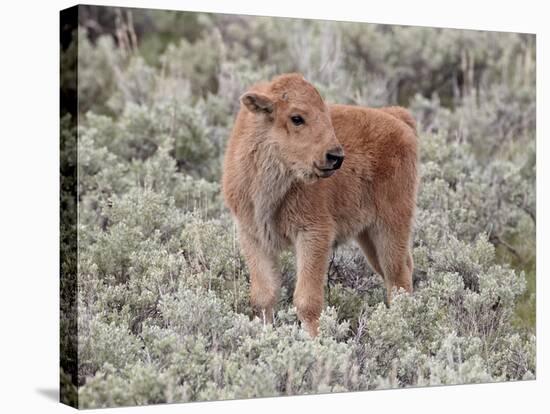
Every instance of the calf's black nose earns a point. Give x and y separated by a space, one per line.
335 158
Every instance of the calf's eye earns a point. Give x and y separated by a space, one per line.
297 120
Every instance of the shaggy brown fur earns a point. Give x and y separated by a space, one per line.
284 190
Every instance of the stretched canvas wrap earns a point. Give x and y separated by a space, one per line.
259 206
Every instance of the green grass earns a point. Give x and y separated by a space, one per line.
523 258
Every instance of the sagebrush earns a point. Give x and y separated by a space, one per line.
163 305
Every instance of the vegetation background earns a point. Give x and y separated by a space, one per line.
163 313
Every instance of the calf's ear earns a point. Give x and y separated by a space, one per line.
257 102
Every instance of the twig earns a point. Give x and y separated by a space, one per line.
328 275
499 240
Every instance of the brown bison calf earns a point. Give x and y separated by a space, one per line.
298 172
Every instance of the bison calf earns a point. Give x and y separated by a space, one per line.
298 172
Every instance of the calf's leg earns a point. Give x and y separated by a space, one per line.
369 249
393 245
265 279
312 254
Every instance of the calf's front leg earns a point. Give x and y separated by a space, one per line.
265 279
312 254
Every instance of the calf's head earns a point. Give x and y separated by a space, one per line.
294 120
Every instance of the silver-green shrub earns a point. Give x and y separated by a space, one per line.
163 290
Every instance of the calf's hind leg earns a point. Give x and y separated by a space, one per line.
392 245
369 249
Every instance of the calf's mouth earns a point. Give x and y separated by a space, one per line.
324 172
